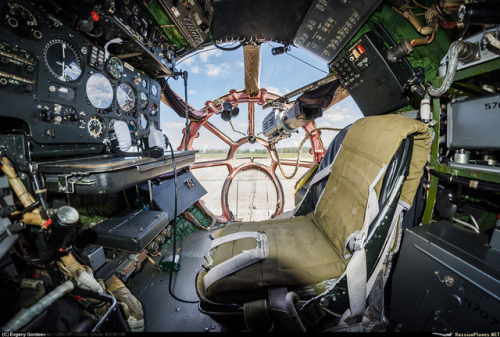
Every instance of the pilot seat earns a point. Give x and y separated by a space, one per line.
324 270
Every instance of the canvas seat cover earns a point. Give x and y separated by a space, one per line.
309 249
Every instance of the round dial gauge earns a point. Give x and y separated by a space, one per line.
21 20
125 97
99 91
154 89
143 100
62 60
114 67
95 127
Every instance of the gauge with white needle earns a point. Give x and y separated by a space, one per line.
62 60
125 97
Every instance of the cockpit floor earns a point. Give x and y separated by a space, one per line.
163 312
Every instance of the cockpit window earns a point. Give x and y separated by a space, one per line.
234 144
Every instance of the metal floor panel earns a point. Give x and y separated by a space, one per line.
164 313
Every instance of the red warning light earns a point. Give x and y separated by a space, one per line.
361 49
94 16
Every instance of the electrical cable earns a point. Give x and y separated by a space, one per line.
139 197
466 224
474 221
186 109
286 52
229 48
174 234
26 210
152 152
42 258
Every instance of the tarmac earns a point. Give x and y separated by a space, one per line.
252 195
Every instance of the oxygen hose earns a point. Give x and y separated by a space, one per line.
24 316
450 71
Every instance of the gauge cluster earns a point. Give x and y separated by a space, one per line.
65 87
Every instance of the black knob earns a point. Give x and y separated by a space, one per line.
29 69
47 115
27 88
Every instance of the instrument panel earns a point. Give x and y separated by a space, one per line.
66 87
331 24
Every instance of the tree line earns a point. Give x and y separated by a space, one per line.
305 149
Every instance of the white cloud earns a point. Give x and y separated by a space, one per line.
240 124
193 92
174 125
274 90
213 70
205 55
337 114
195 69
337 117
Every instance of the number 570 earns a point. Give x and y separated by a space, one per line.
491 105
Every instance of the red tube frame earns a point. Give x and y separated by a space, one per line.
235 98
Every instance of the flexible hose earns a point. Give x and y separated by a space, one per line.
24 316
290 300
299 151
450 72
474 184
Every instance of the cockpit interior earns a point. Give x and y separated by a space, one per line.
249 166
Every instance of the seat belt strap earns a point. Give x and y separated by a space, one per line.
356 283
325 171
239 261
356 267
233 237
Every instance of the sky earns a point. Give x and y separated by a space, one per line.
213 73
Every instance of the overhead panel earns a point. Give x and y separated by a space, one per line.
331 24
275 20
191 18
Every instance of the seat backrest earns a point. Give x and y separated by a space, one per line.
367 149
327 160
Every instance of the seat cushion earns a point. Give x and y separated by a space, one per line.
299 253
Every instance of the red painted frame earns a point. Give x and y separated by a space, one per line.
235 98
